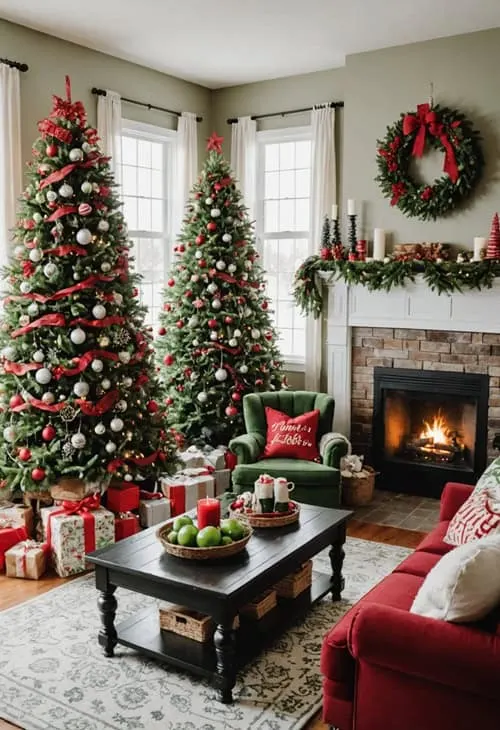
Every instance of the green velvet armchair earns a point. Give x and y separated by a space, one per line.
315 483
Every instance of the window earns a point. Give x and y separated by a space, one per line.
283 196
146 158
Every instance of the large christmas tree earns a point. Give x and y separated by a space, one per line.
217 341
79 391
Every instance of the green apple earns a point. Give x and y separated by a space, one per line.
208 537
187 536
233 528
226 540
181 521
172 537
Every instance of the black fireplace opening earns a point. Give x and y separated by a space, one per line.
429 427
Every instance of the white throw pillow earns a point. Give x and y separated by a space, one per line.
490 480
464 585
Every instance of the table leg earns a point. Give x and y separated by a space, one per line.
106 603
336 556
225 648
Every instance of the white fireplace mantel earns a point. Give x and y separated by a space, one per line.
414 306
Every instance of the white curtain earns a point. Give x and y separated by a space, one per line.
10 155
323 195
244 159
186 166
109 127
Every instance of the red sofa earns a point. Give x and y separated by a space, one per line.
385 668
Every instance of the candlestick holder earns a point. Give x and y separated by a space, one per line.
352 238
335 228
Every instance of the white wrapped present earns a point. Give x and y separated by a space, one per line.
222 479
192 457
154 511
216 458
184 491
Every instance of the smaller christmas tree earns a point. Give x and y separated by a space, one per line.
326 250
493 248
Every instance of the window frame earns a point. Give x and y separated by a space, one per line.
277 136
167 138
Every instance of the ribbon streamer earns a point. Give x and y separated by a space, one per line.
50 320
59 175
84 361
102 406
50 408
17 368
60 212
106 322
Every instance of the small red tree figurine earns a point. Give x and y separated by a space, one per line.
493 248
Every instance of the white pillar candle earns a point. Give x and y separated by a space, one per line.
335 211
379 244
351 207
479 245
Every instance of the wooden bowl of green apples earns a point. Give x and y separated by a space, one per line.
182 538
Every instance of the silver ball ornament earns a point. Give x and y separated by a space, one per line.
106 384
193 321
124 357
65 191
97 366
33 309
9 434
220 265
196 343
25 287
233 343
243 369
255 334
100 429
24 320
78 441
216 304
110 447
121 405
202 397
128 477
105 266
37 218
19 252
221 375
78 336
237 333
227 238
232 268
127 382
9 352
86 187
83 236
208 201
51 196
118 298
116 425
76 154
43 376
214 336
35 255
103 226
81 389
99 312
212 288
48 398
50 270
38 356
86 147
215 212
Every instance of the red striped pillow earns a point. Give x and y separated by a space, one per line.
477 517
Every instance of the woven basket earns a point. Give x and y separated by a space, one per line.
270 519
191 624
294 584
260 605
195 553
358 491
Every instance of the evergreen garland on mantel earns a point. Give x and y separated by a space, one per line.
444 277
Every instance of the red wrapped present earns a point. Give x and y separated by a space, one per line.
10 536
126 524
123 497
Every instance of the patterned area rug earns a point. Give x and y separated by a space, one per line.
54 677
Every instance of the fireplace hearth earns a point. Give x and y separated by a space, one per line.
429 427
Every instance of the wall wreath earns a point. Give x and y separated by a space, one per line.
441 128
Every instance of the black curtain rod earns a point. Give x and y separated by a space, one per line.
15 64
102 92
332 105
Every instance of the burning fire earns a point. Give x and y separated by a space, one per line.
437 431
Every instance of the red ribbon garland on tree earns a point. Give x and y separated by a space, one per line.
101 407
105 322
50 408
427 120
59 175
17 368
66 249
62 293
52 320
60 212
84 361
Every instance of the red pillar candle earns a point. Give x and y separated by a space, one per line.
208 513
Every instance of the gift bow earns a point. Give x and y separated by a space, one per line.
427 120
150 495
84 507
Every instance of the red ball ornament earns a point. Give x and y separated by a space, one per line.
38 474
212 226
180 388
52 205
179 324
268 336
16 400
217 187
169 359
135 292
48 433
264 305
236 396
171 282
202 263
169 401
200 239
162 331
259 381
167 307
51 150
231 411
212 323
152 406
24 454
228 319
197 196
256 347
181 248
188 294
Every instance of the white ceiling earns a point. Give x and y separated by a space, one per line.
219 43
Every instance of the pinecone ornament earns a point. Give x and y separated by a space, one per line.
493 248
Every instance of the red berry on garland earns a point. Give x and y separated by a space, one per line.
181 248
169 401
179 324
171 282
202 263
24 454
16 400
231 411
265 304
228 319
256 347
326 253
212 323
135 292
217 187
51 150
152 406
200 239
162 331
188 294
167 307
38 474
180 388
268 336
169 359
48 433
212 226
236 396
197 196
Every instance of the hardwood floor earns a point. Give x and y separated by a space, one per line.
13 592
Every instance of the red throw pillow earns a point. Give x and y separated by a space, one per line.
291 438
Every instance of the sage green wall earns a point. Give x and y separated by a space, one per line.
50 59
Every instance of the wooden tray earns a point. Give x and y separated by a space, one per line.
196 553
270 519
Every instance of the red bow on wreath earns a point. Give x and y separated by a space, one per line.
427 120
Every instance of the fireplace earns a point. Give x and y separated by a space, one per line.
429 427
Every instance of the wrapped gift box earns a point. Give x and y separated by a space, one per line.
184 491
73 535
216 458
154 511
126 524
192 457
202 475
27 559
17 515
222 479
9 536
122 497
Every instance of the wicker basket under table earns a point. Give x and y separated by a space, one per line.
294 584
260 606
189 623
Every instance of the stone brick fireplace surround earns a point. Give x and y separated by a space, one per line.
413 328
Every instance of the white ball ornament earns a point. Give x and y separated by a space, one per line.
103 226
215 212
76 154
100 429
76 276
118 298
19 252
83 236
43 376
243 369
48 398
124 357
128 477
65 191
78 336
38 356
227 238
193 321
35 255
237 333
25 287
216 304
86 147
248 265
248 312
229 219
33 309
9 434
221 375
121 405
244 276
220 265
9 353
86 188
81 389
212 287
214 336
233 343
232 268
105 266
37 218
99 312
104 341
116 425
202 397
97 366
255 334
196 343
50 270
110 447
51 196
24 320
198 255
208 201
127 382
78 441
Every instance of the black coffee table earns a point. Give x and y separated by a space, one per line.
218 589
